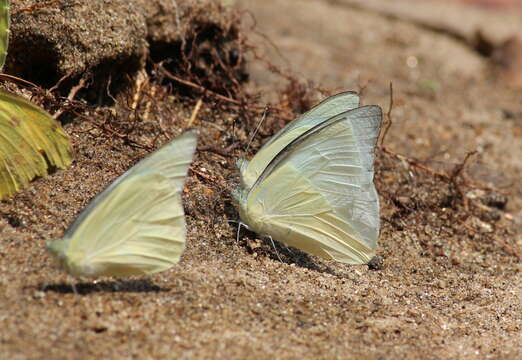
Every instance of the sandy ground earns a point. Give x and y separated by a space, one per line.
451 282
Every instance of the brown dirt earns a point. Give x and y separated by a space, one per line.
451 282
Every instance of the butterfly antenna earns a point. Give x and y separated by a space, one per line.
273 244
257 129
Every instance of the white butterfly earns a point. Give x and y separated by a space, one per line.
311 186
136 225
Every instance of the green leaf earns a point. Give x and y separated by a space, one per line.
31 141
4 30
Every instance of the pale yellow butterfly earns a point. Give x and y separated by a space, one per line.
316 193
136 226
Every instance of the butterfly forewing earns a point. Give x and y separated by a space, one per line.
323 111
328 108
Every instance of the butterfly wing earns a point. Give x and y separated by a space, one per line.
336 104
326 109
318 193
4 30
136 225
30 140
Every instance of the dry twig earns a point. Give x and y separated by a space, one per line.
194 113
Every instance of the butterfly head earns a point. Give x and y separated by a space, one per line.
242 165
74 263
57 248
238 195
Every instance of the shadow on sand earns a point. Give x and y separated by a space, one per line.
84 288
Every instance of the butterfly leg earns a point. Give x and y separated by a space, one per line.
239 224
238 231
273 245
74 289
288 248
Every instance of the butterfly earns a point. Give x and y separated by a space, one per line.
311 186
136 226
31 141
